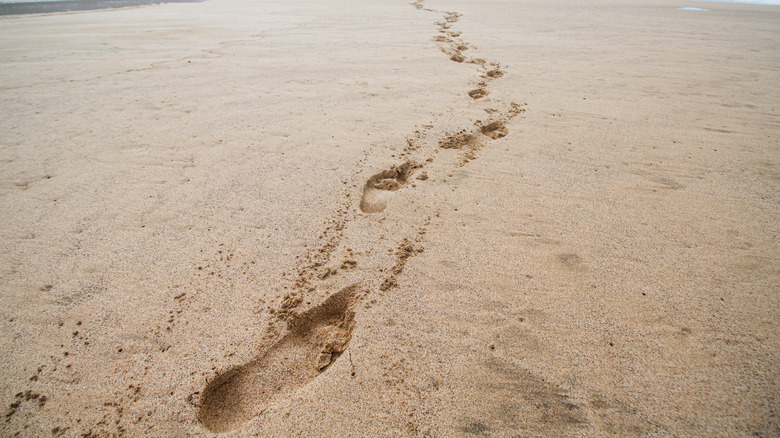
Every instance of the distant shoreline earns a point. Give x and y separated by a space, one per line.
747 2
77 5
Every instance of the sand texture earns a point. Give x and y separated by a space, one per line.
375 218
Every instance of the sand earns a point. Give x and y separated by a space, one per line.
376 218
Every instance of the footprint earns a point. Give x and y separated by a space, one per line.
478 93
473 140
469 142
460 140
378 189
494 130
315 339
495 73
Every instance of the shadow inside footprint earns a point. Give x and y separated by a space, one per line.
378 188
315 339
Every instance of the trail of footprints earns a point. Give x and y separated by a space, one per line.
313 339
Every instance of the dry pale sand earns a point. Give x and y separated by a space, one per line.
376 218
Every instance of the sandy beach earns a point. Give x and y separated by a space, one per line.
339 218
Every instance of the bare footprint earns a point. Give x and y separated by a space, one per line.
460 140
494 73
494 130
316 338
478 93
378 189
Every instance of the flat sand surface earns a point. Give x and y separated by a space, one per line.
376 218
